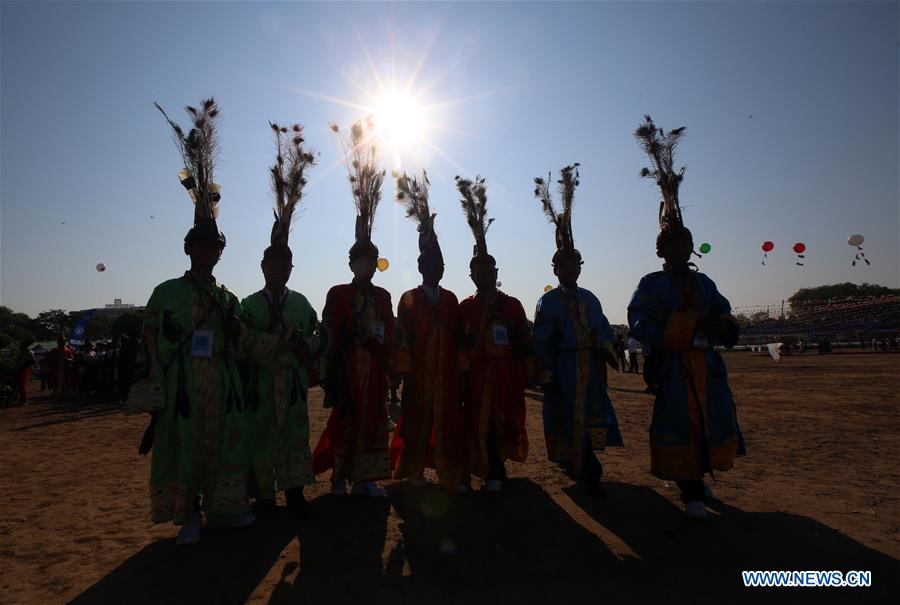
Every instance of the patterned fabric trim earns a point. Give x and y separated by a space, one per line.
175 502
295 472
366 467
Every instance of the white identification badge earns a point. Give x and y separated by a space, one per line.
501 336
202 343
378 331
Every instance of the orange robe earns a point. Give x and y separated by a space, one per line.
358 324
497 342
430 432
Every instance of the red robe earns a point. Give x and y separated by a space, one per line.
497 342
358 324
430 432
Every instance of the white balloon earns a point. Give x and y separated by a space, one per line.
101 267
855 240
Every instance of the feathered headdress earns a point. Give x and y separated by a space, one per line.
288 180
474 205
661 149
199 148
568 181
365 182
413 194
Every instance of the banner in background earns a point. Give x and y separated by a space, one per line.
77 336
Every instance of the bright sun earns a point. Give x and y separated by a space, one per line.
399 119
404 121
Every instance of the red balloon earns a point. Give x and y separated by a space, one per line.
799 247
768 246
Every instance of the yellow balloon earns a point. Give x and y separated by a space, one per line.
383 264
547 288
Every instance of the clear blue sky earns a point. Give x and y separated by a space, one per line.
791 111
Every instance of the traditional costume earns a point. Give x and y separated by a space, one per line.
193 337
276 388
358 327
430 431
497 343
573 341
679 315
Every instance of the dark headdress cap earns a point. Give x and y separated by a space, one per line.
479 258
670 232
363 245
564 254
429 246
278 241
206 229
363 248
279 252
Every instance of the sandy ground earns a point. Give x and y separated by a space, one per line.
820 490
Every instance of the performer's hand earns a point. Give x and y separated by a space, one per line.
611 359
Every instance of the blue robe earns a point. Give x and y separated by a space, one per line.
569 335
694 428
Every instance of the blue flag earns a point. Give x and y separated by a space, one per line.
77 336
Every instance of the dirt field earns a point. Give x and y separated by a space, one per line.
820 490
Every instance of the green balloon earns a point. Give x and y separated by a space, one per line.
705 248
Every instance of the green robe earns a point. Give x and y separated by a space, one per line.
276 389
199 446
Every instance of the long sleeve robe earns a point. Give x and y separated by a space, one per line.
569 331
430 432
277 414
694 427
199 445
358 324
497 343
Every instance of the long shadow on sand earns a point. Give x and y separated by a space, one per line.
684 559
520 546
517 546
341 553
61 412
225 567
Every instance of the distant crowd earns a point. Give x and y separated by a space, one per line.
102 369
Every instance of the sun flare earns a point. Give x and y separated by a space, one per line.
405 123
399 120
